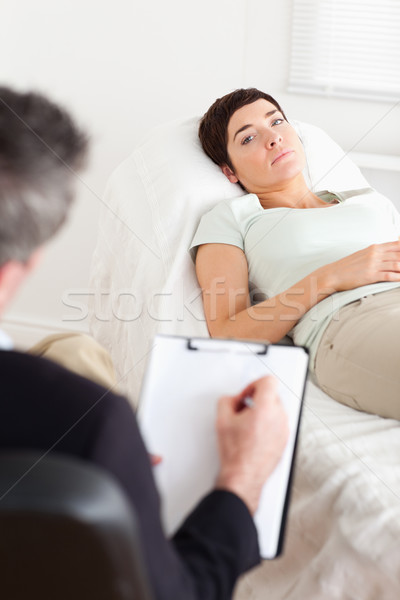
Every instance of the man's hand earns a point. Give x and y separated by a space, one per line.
251 439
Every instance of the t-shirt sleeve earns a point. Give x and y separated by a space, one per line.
392 211
218 226
395 216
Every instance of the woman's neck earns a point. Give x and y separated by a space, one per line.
292 194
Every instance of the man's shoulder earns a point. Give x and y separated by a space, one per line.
24 372
44 405
13 362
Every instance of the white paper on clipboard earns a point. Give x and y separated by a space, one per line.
177 411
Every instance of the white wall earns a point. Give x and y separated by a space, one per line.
356 125
123 67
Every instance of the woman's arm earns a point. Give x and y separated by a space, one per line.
222 272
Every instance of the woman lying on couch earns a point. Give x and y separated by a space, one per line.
326 264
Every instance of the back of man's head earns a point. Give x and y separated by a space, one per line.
41 149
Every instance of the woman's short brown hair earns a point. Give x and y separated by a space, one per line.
213 129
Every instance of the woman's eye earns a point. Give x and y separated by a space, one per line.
277 122
247 139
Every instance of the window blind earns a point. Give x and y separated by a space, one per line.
348 48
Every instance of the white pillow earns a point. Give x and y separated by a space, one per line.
142 275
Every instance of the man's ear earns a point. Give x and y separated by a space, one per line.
227 171
12 274
34 259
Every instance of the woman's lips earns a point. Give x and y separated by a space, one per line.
281 155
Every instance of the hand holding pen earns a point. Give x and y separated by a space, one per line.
252 430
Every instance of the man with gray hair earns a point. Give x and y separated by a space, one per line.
46 407
41 152
41 149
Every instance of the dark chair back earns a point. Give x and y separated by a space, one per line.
67 532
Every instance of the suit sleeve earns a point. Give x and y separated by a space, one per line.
216 543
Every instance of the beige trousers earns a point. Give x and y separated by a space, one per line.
78 353
358 359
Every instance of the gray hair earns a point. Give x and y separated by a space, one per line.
41 149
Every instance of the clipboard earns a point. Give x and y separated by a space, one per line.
177 412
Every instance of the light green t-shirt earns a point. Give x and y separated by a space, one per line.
283 245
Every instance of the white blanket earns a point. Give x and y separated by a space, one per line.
343 534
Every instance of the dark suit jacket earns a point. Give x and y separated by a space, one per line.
45 407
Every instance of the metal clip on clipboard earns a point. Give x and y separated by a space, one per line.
227 345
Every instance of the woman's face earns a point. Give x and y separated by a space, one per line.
264 149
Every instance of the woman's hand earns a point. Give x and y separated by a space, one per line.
379 262
222 272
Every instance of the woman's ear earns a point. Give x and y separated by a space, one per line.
227 171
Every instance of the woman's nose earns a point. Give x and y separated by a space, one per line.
273 138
